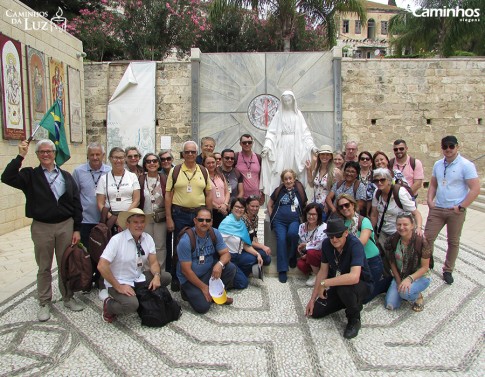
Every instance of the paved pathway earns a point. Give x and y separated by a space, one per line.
263 334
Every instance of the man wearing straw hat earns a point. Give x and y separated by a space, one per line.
207 260
122 264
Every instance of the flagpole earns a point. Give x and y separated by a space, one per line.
33 133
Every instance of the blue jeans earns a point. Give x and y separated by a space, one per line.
285 226
381 282
394 298
181 219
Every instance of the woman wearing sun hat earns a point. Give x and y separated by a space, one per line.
321 175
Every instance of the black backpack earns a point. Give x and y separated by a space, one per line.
156 308
76 268
395 193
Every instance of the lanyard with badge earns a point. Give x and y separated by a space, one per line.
189 187
118 195
248 165
443 182
139 253
99 176
200 252
152 190
292 197
218 193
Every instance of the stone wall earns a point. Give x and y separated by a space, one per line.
420 101
53 43
173 93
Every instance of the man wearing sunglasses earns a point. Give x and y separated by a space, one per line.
233 176
344 280
209 259
410 167
123 262
453 187
249 164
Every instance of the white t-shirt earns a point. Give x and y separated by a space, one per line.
389 225
122 253
234 243
128 184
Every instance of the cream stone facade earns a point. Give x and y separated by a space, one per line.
363 40
53 43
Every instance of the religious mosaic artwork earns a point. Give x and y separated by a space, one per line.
262 109
75 109
38 90
58 83
13 106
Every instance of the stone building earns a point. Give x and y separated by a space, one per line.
368 40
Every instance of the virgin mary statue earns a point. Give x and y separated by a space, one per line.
287 145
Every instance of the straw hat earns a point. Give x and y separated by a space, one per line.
125 215
325 149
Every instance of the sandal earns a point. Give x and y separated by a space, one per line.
418 305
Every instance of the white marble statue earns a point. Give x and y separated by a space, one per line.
287 145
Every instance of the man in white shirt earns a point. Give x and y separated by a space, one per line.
122 261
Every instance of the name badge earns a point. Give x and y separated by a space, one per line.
444 182
118 197
338 273
139 262
218 194
201 259
248 175
230 189
293 208
189 188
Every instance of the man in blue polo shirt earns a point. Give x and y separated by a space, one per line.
453 187
344 280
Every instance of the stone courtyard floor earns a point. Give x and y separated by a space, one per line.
264 333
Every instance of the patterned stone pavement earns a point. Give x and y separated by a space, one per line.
264 333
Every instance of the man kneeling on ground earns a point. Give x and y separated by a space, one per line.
122 261
344 280
207 260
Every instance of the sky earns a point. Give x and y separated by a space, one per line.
399 3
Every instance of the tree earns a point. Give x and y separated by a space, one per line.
443 36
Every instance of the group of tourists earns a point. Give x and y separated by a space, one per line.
358 235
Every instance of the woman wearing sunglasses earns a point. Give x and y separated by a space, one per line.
220 190
152 202
285 207
361 227
251 219
409 255
166 160
236 236
311 233
322 176
385 207
365 177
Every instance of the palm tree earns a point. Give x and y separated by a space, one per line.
440 35
288 12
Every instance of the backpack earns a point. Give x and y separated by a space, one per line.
156 308
76 268
236 156
418 245
100 235
176 172
395 193
356 186
412 162
191 235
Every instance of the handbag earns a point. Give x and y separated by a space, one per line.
159 215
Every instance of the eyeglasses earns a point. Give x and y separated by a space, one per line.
229 158
45 153
365 159
201 220
238 208
133 156
344 205
151 161
339 235
117 158
248 142
448 146
400 149
351 172
218 158
190 152
165 159
379 180
312 214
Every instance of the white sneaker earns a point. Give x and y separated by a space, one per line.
73 305
311 281
103 294
44 313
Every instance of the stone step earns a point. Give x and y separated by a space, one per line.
480 198
482 190
478 206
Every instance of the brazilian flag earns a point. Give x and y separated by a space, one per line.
53 122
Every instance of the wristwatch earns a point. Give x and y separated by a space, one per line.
156 274
461 209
